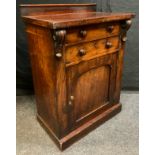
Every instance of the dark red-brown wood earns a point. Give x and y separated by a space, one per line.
77 61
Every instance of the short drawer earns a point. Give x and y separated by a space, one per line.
92 32
92 49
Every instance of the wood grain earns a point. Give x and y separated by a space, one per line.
74 19
93 49
77 63
93 32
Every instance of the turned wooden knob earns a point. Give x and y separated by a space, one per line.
126 24
82 52
129 22
71 98
58 55
83 33
124 39
110 28
70 103
108 44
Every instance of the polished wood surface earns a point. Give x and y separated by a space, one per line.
91 84
74 19
77 61
91 50
92 32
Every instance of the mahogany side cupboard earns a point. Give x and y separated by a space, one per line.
76 55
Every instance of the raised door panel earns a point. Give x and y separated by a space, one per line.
91 87
91 91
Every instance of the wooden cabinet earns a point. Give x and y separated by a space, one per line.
76 55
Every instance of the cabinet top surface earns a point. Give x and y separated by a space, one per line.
57 16
75 19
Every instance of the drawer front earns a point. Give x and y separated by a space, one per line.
88 33
89 50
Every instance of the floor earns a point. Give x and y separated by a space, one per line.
118 136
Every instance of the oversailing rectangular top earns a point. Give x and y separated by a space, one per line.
69 15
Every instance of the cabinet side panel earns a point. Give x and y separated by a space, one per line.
42 62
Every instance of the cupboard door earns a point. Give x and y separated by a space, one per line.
90 86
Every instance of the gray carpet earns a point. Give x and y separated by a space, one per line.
118 136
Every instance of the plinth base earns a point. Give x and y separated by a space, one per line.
82 130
